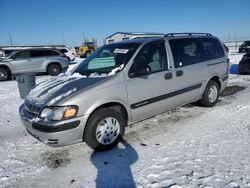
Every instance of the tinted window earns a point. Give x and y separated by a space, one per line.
152 55
38 53
22 55
51 53
63 50
212 49
186 51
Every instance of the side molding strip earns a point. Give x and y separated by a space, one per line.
165 96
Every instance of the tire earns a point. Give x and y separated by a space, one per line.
105 129
210 95
54 69
4 74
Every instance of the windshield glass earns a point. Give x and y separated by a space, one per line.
107 58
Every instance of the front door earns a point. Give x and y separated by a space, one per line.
148 94
22 62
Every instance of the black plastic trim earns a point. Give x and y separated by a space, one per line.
162 97
225 78
216 63
55 128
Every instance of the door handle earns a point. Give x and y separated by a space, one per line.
168 76
179 73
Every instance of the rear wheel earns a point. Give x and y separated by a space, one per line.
210 95
104 129
4 74
54 69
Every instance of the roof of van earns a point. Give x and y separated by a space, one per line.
151 39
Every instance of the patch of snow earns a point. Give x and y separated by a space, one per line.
64 95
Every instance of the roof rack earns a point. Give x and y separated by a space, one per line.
187 34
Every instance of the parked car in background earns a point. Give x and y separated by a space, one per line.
245 45
123 83
244 64
70 53
48 61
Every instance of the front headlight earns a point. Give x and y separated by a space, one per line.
59 112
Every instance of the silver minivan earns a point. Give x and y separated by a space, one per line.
123 83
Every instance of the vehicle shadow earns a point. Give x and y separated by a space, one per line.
113 166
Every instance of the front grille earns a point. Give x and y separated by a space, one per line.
30 110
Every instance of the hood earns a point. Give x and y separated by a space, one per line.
52 91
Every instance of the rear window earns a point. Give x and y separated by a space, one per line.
190 51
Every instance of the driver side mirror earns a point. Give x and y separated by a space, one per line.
140 72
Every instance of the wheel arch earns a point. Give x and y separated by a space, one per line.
114 105
217 80
8 68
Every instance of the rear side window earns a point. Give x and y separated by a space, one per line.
63 50
186 51
52 53
190 51
37 53
212 48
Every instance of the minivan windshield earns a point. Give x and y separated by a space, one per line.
107 58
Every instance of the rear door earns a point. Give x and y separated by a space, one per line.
149 94
38 57
190 68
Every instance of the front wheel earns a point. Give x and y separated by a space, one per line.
210 95
4 74
104 129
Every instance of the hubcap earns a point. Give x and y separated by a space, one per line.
3 74
107 130
212 94
54 69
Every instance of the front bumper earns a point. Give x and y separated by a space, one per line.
55 133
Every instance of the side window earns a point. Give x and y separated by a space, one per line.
63 50
51 53
186 51
38 53
152 55
212 49
22 55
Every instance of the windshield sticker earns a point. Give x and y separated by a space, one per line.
120 51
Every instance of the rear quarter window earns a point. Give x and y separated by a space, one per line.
188 51
52 53
212 48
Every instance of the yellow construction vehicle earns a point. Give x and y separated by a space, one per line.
87 48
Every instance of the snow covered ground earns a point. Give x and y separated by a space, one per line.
187 147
